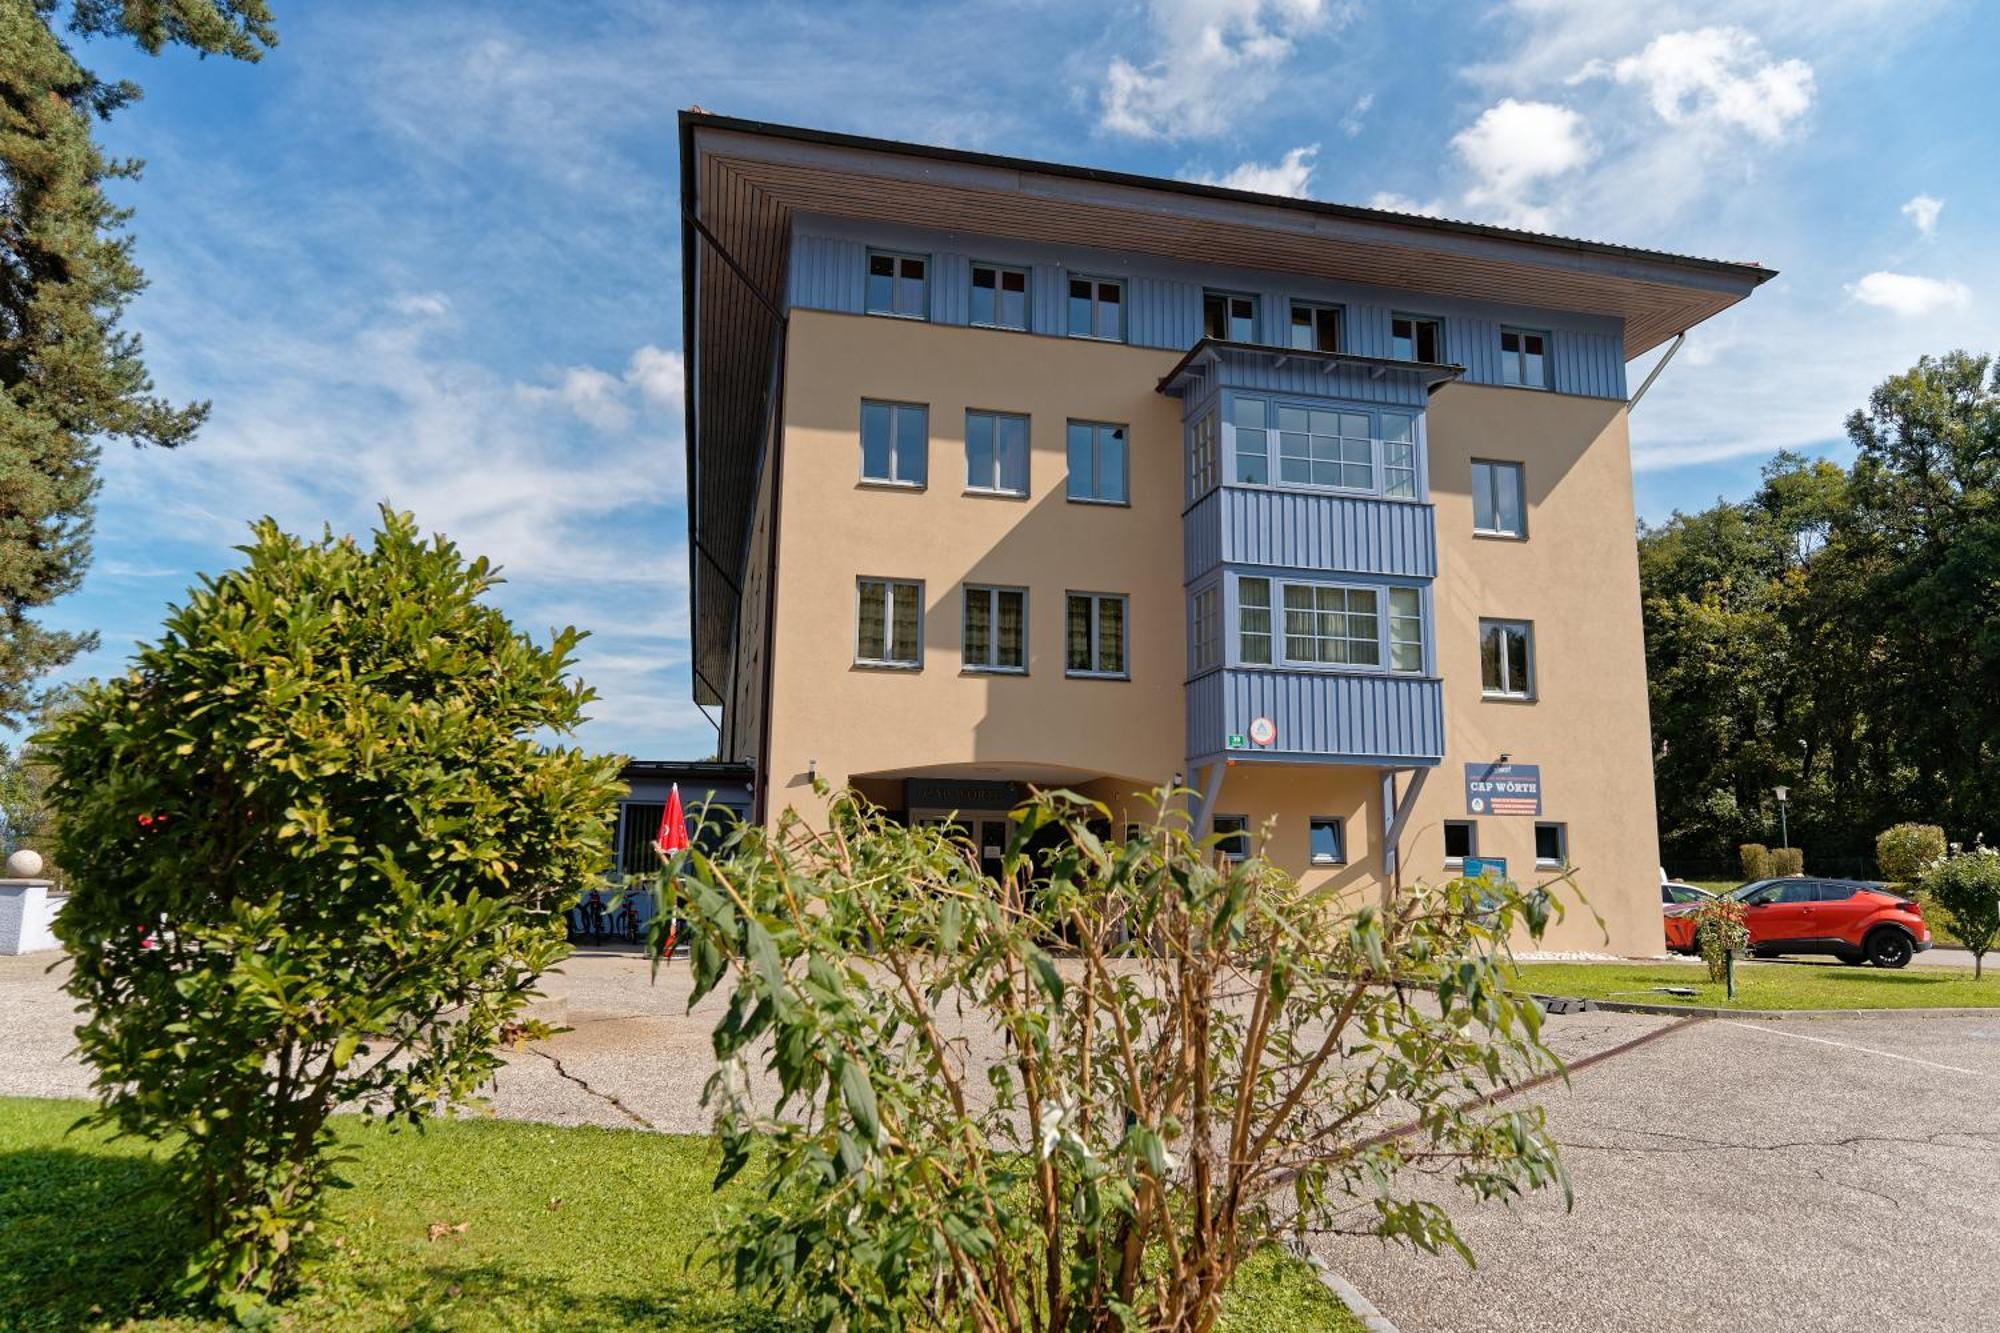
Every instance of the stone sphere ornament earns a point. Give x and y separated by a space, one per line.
24 864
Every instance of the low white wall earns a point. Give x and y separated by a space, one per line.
27 916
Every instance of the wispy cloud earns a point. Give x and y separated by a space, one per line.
1922 211
1717 77
1291 175
1210 61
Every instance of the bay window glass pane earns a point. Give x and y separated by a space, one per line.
1406 630
1301 624
1253 607
1364 629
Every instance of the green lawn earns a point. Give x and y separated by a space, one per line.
1777 985
543 1228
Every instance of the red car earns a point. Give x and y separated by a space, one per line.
1678 904
1857 921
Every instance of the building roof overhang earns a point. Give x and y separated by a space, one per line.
743 182
1194 368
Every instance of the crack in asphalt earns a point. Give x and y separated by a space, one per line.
608 1098
1692 1143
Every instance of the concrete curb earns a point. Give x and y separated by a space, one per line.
1710 1011
1358 1305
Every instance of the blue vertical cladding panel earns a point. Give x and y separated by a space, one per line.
1048 300
1588 363
1367 329
1164 313
1306 530
1321 715
829 273
1201 541
1308 377
951 288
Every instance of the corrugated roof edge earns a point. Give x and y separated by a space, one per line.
1438 372
692 120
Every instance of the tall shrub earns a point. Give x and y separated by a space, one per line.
1967 887
970 1132
314 843
1754 858
1905 852
1787 861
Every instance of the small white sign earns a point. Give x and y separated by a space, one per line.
1263 731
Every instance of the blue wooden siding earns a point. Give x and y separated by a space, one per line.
1309 530
1163 305
1319 715
1201 536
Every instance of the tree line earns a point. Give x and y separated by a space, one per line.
1837 633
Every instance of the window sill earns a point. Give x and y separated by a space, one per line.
1489 696
987 493
1326 861
1098 675
885 484
891 314
1495 535
909 668
1096 338
992 671
998 328
1101 504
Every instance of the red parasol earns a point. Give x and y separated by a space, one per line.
672 837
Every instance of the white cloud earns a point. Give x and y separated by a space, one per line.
1514 149
658 375
1907 294
604 400
1291 175
1402 203
1356 118
1923 211
1717 76
1213 59
422 305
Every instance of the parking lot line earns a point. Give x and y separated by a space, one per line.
1865 1050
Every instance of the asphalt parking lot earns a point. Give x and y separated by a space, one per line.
1817 1175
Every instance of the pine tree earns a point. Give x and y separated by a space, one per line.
70 377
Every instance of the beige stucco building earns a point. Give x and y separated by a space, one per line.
1006 474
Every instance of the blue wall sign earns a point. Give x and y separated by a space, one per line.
1492 869
1503 789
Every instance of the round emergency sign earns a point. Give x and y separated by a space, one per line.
1263 731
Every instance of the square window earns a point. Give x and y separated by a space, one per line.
1461 839
995 635
1233 836
1098 463
1095 635
1497 508
895 443
1315 328
1551 845
1524 358
1506 659
1097 309
996 453
1328 842
889 623
1229 316
1416 338
999 296
898 285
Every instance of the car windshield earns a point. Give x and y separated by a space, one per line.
1743 892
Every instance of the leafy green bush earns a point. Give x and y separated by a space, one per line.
313 844
1905 852
1755 860
1721 928
1787 861
971 1133
1967 887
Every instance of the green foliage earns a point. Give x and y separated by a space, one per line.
313 846
1836 632
1083 1095
1967 886
69 375
1788 861
1721 928
1755 860
1794 984
1906 852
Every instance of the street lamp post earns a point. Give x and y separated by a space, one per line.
1784 829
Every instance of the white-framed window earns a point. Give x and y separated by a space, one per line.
1497 508
999 296
1461 839
899 284
1251 416
1507 659
1099 465
1325 447
1202 455
1329 624
996 453
1095 638
1315 327
1097 308
1524 358
1206 613
1399 455
1327 845
1253 621
889 623
1229 316
1551 846
1406 630
994 634
1416 338
1233 832
895 443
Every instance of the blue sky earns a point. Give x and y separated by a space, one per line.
427 253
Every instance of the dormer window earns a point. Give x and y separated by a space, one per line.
1416 338
1229 316
1524 358
898 285
1315 328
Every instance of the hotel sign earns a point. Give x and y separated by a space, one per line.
1503 789
961 794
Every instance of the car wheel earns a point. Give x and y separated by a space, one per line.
1890 948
